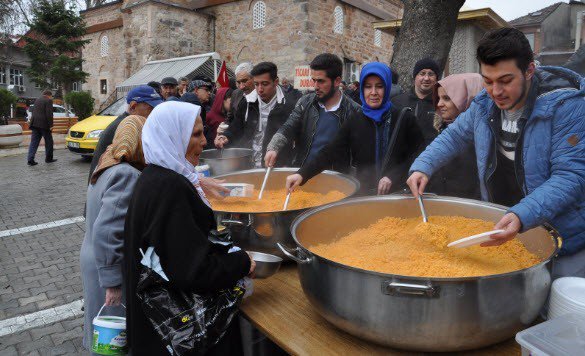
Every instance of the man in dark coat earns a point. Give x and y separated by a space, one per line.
259 115
317 117
420 98
141 100
40 126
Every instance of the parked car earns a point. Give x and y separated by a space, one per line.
58 112
83 137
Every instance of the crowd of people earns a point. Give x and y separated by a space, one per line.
511 135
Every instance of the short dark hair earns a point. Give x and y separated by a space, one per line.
328 62
48 93
265 67
502 44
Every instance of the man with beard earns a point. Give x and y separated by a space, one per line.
528 132
317 116
420 99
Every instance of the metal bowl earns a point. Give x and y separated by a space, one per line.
266 264
227 160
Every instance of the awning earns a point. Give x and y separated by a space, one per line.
175 67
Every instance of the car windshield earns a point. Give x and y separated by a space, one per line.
116 109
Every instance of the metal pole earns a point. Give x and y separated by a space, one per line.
215 70
579 29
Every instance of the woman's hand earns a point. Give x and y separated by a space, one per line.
384 186
212 187
417 183
252 266
293 181
511 225
113 296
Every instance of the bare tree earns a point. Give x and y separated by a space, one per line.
427 30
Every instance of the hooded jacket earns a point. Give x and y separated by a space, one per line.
550 152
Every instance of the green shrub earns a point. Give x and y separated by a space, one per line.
7 99
81 103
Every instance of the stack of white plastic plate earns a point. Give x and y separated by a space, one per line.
567 296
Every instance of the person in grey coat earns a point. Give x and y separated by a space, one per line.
108 196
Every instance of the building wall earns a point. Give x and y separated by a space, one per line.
534 29
283 40
16 58
574 11
111 67
462 54
555 29
357 41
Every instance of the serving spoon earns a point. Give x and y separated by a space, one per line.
264 182
474 239
422 209
286 200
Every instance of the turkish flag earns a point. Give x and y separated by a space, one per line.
222 77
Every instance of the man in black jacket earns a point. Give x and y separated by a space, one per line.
420 99
317 116
259 115
141 100
40 126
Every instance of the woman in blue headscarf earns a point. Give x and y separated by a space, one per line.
382 142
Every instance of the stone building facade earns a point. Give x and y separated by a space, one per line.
288 32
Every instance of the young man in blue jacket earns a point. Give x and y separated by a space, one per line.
528 129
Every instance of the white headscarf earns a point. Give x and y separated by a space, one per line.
165 138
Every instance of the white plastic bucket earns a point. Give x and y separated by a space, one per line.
109 334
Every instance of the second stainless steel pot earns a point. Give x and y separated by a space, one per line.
260 231
418 313
227 160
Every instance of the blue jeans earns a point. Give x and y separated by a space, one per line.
36 139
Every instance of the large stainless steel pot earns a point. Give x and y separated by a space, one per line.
424 314
262 230
227 160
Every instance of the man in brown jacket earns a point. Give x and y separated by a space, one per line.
40 125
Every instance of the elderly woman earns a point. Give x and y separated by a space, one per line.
382 141
452 96
108 195
170 212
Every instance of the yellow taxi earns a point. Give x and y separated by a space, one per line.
83 137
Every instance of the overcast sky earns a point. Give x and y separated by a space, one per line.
511 9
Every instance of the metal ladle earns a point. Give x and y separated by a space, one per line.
422 209
268 170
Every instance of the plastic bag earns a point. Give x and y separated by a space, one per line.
186 322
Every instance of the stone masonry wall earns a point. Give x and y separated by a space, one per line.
283 40
357 41
154 31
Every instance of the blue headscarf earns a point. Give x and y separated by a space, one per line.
384 73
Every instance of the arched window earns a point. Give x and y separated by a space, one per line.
338 14
259 15
378 38
104 46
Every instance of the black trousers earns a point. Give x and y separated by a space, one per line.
36 139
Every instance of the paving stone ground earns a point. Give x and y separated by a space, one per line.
40 269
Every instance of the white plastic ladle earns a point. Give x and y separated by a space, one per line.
474 239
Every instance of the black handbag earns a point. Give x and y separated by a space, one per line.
187 323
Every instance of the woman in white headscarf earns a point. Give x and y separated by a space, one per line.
169 211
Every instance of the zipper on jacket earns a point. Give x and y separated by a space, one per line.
518 160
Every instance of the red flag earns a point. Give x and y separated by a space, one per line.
222 77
